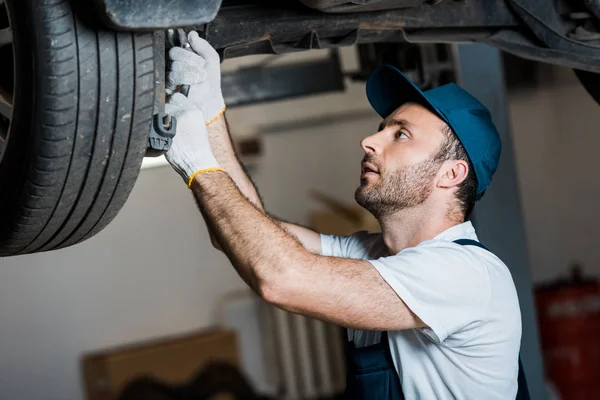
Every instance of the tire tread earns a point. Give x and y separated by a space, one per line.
84 157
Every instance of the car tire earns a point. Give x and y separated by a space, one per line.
75 133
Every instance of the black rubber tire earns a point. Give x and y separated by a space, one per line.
83 105
591 83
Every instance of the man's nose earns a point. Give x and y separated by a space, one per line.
371 144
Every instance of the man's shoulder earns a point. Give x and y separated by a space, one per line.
435 255
447 248
478 259
456 248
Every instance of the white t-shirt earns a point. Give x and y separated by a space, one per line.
467 298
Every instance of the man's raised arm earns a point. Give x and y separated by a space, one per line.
200 69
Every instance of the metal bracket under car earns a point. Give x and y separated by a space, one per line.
164 127
156 14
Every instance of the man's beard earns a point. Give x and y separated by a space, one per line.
397 190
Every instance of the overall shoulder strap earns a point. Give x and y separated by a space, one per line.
470 242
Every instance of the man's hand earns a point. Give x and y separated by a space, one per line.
201 70
190 152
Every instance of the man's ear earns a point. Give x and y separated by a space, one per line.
452 173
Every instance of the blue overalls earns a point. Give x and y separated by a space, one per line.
371 372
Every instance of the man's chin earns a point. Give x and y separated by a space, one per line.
363 188
363 193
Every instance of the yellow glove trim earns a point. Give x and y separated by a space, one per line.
213 119
200 171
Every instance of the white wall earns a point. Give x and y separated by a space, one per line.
150 273
556 134
153 272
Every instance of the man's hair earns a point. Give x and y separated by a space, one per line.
452 149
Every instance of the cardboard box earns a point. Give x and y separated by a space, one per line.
172 361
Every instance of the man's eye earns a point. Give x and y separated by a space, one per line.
401 135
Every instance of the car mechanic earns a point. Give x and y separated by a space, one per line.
431 313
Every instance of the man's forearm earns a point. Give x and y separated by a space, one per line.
256 246
224 152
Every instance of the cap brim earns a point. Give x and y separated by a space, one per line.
388 88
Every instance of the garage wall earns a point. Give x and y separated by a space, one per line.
556 130
141 278
153 273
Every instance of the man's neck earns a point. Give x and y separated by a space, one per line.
409 227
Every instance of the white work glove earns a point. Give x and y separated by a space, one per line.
190 152
201 69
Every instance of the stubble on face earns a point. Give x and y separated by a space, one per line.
396 190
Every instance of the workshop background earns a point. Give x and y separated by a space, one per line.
153 273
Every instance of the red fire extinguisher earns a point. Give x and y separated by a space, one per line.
569 321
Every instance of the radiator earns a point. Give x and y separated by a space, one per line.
286 355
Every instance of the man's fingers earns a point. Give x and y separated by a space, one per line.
189 77
170 88
181 101
187 56
173 110
178 104
198 74
202 47
184 115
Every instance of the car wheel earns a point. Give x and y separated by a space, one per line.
76 104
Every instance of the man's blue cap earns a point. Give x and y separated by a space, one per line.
471 121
